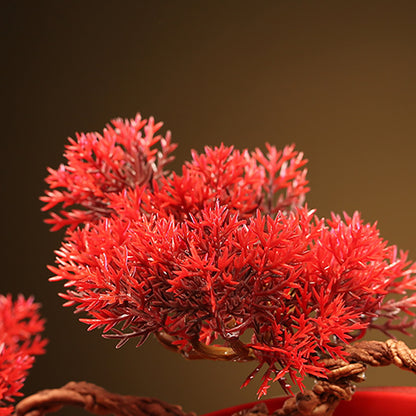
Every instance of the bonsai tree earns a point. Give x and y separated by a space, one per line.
221 261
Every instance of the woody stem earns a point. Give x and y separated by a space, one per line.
95 400
236 352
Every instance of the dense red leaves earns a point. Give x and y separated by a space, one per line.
20 341
354 262
241 181
224 251
124 156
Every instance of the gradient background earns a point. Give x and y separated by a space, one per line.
335 77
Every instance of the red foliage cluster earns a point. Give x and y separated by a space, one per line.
124 156
20 341
242 182
225 251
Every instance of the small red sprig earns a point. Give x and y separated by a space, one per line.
124 156
20 342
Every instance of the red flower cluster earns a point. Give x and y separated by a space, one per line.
223 257
20 326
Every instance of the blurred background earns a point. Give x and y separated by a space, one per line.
336 78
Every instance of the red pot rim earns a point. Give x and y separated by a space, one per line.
377 401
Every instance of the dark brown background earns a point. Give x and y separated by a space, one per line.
337 78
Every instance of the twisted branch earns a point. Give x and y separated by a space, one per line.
324 397
95 400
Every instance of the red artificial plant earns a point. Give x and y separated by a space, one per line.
223 249
222 260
